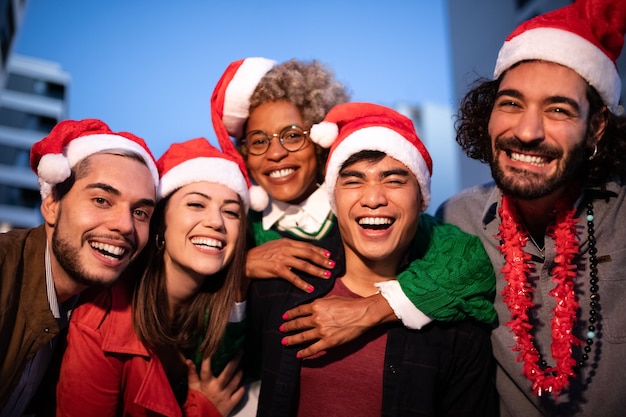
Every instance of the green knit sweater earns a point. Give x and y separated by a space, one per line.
451 280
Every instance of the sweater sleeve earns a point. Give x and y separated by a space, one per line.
454 279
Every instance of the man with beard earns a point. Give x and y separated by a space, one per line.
98 192
553 222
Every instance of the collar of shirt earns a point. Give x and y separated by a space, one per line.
60 312
308 215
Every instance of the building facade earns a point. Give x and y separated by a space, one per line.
11 15
33 100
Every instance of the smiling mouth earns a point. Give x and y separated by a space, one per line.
110 251
376 223
208 243
528 159
280 173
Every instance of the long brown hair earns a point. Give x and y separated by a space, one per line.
208 309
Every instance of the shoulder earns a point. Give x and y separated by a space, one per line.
476 196
16 242
467 208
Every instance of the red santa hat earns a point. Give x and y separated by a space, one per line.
230 107
586 36
70 141
197 160
353 127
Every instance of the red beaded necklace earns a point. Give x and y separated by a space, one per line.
518 297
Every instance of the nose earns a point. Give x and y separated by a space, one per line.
214 219
276 151
123 221
529 127
373 196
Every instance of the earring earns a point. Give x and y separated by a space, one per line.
595 152
160 243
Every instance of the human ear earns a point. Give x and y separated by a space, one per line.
49 209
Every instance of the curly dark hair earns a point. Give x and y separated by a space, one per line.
472 133
310 86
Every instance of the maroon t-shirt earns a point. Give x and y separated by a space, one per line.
347 380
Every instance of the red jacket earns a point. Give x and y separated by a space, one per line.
107 371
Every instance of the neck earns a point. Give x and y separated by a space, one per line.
362 274
539 213
64 286
180 285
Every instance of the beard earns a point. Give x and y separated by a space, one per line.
527 185
67 255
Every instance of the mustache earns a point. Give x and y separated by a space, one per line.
511 144
129 242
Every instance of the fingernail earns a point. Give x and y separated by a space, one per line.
285 316
331 263
309 288
298 355
327 254
327 274
282 328
284 341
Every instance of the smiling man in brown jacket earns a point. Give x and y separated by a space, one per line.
96 222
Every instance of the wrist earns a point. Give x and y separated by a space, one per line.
378 310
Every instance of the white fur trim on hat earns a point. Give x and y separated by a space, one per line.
383 139
324 133
239 91
568 49
83 146
217 170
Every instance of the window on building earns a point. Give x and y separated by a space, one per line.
15 157
19 197
22 120
30 85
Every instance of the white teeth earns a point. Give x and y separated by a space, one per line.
214 243
109 249
533 160
281 173
375 221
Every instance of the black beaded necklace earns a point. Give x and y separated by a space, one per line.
593 293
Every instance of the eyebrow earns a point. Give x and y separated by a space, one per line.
208 197
550 100
384 174
112 190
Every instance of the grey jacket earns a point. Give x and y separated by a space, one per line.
601 387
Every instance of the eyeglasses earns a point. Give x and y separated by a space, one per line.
292 139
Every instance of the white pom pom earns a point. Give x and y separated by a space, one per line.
324 133
54 168
258 198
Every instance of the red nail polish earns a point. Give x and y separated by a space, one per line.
298 355
309 288
327 254
284 342
331 263
285 316
327 274
282 328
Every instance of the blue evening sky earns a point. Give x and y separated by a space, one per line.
149 66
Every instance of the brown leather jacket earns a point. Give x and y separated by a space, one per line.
26 322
